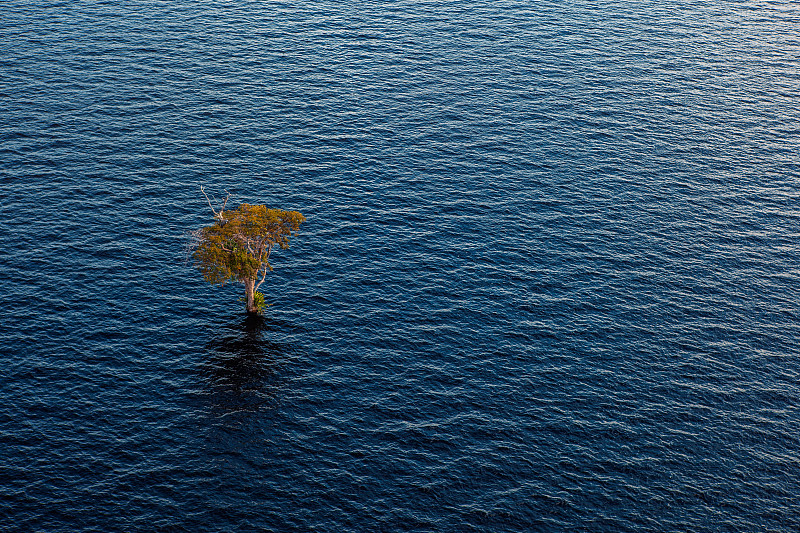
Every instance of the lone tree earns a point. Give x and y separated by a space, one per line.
238 245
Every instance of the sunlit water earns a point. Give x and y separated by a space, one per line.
549 279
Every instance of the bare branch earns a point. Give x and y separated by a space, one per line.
222 210
263 277
203 190
266 267
218 215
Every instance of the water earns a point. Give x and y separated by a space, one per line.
548 282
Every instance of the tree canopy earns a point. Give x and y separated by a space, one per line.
238 245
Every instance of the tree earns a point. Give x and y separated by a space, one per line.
238 246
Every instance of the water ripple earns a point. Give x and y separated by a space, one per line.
548 280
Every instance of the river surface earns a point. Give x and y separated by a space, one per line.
549 279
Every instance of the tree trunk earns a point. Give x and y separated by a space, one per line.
250 298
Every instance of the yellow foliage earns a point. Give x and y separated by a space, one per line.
239 245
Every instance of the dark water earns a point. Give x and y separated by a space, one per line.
549 279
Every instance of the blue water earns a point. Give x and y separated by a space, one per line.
549 280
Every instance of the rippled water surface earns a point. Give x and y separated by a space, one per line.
549 279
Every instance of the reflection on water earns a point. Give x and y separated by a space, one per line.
549 280
241 367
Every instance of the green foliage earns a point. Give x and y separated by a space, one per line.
238 246
259 301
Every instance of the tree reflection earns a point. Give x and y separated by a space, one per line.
241 368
